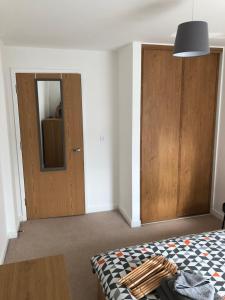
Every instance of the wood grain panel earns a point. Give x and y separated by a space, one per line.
43 278
74 138
48 76
53 142
198 110
170 47
161 92
52 193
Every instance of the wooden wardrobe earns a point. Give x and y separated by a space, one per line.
179 98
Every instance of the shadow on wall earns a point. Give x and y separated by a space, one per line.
152 9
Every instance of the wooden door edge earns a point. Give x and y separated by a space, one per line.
171 47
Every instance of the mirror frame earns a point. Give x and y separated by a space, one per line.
41 154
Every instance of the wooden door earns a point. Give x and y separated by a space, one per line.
52 192
161 93
198 111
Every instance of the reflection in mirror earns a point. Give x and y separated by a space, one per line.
51 124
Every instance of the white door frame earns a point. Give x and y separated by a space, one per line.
20 191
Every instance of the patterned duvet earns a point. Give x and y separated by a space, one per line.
204 253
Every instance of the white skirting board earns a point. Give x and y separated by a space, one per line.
101 208
128 219
4 246
3 251
14 234
218 214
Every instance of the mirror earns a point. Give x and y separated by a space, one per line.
50 124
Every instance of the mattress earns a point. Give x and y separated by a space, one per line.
204 253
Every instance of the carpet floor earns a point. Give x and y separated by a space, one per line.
79 238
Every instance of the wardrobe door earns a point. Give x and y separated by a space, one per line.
198 110
161 93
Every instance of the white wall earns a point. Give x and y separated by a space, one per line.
125 84
7 212
99 91
3 229
136 133
129 88
218 196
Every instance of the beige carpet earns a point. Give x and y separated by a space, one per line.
79 238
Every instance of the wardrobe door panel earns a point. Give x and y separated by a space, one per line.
198 110
161 93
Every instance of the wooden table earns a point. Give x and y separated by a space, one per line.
38 279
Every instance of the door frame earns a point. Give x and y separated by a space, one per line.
19 179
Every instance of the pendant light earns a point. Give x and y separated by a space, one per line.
192 38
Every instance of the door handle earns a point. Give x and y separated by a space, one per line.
76 149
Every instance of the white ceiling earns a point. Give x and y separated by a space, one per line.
103 24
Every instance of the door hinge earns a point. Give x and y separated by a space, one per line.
16 89
25 200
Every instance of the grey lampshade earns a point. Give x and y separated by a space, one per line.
192 39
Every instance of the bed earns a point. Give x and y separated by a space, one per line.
204 253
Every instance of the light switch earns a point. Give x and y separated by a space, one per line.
102 138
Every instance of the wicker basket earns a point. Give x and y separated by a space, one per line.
146 278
